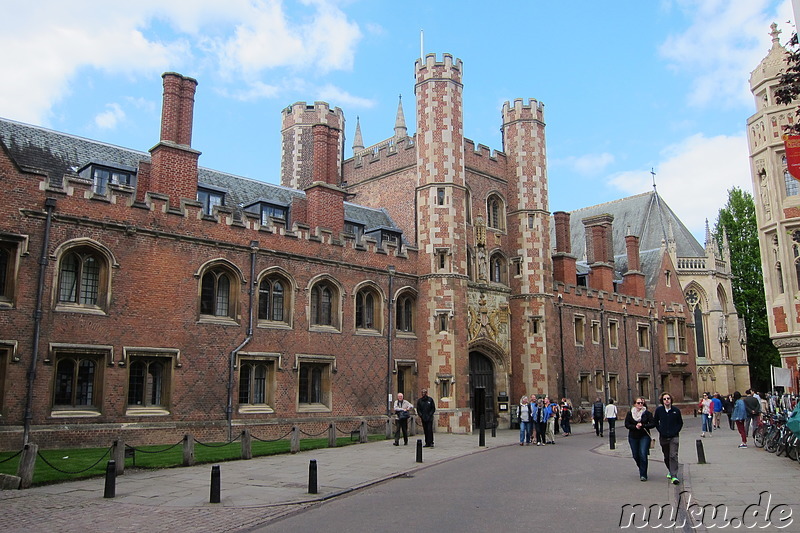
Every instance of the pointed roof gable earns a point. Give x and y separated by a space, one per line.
644 215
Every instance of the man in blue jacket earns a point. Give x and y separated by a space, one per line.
669 423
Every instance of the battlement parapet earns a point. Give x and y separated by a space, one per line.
301 113
378 151
189 221
481 158
533 110
579 295
447 68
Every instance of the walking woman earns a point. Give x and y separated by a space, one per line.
566 416
639 421
707 409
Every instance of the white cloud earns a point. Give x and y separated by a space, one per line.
694 176
586 165
267 39
48 43
109 118
724 42
330 93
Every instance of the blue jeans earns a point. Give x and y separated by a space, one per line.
640 448
707 422
524 432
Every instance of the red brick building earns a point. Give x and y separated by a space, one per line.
143 296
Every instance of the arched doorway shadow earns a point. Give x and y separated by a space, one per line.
481 383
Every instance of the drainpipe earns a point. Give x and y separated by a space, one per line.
49 205
653 345
389 342
627 362
248 338
603 350
561 336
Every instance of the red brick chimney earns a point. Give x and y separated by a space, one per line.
173 169
633 283
600 251
563 262
325 199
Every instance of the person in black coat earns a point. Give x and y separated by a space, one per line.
425 409
669 423
639 421
598 410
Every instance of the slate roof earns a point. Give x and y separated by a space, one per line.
58 154
645 215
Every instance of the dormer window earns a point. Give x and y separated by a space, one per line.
210 198
103 175
273 211
384 235
354 228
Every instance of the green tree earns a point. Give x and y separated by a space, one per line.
738 221
788 89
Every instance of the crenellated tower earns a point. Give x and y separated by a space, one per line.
441 232
298 141
528 222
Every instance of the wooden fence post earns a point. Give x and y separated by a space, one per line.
362 434
247 444
332 435
118 456
27 465
188 450
294 447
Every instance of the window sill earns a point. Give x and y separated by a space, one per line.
271 324
313 408
74 413
406 335
256 409
74 308
368 332
146 411
218 320
323 329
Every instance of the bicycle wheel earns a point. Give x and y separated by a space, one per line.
780 446
771 441
791 449
759 436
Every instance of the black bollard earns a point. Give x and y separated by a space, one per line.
312 477
494 430
215 484
482 433
612 438
701 455
111 480
419 450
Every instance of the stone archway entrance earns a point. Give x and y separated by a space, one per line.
481 377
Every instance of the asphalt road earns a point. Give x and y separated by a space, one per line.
571 486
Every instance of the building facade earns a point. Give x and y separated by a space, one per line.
777 200
143 296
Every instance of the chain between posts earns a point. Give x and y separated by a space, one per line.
48 463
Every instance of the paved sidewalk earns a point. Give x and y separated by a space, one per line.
257 491
732 478
252 492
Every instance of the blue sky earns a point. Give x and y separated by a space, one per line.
628 86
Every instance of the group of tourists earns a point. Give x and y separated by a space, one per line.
539 420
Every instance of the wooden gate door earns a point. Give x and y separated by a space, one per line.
481 375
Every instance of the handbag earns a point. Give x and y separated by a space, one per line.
403 415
